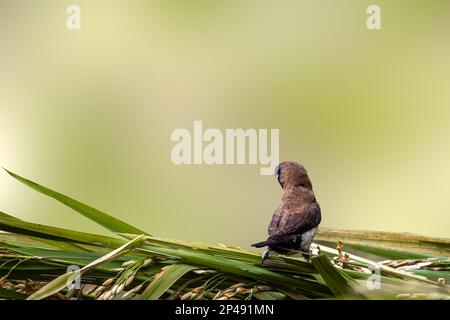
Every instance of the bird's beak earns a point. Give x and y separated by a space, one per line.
277 171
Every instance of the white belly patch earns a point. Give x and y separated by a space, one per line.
307 238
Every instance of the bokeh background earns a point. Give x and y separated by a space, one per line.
90 112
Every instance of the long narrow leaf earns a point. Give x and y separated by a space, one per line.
60 282
243 269
54 286
164 280
389 240
102 218
56 244
339 285
53 233
9 294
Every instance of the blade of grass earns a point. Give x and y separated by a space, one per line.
384 268
268 295
339 285
379 253
80 258
434 275
109 222
222 251
56 244
59 234
405 242
243 269
164 280
54 286
60 282
191 255
9 294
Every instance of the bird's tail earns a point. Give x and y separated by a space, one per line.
267 242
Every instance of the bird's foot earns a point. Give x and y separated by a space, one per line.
307 255
265 255
315 251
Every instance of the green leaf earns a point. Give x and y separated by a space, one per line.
78 258
60 282
102 218
9 294
116 253
434 275
54 286
395 242
164 280
338 284
384 268
244 269
53 233
268 295
378 253
56 244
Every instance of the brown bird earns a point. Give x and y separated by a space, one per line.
294 223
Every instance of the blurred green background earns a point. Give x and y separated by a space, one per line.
90 112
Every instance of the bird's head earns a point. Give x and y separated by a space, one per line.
292 174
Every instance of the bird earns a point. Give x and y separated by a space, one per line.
295 221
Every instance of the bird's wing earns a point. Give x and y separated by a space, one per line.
298 222
275 221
